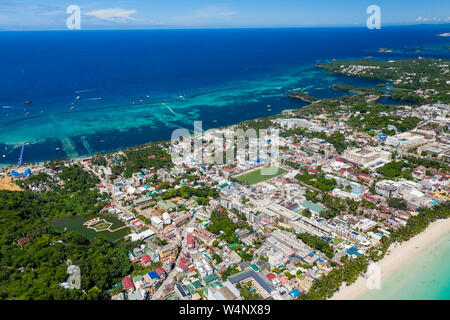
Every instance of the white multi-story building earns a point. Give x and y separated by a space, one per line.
157 223
367 156
386 188
405 140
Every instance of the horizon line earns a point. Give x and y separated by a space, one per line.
231 27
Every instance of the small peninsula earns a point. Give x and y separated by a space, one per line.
302 96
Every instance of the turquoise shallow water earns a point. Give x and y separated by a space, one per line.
425 277
99 91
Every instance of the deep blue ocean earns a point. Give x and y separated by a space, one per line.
103 90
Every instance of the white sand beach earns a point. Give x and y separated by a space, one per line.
396 256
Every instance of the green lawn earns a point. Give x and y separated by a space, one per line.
256 176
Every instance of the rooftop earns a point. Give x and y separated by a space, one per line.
250 273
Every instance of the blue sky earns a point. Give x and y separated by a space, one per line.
130 14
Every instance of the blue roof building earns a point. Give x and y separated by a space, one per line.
382 136
294 293
24 174
153 275
353 250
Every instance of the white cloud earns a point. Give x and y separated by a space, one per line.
214 12
421 19
208 14
54 13
113 14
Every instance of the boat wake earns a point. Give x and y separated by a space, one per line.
81 91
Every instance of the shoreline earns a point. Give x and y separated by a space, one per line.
397 256
5 167
290 71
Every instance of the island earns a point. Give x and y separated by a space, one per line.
416 80
354 179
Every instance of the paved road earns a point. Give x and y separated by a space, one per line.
166 282
173 272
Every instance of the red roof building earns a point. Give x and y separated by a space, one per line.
369 197
160 271
203 233
271 276
183 264
128 284
168 260
146 260
190 241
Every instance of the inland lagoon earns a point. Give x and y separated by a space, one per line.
109 227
